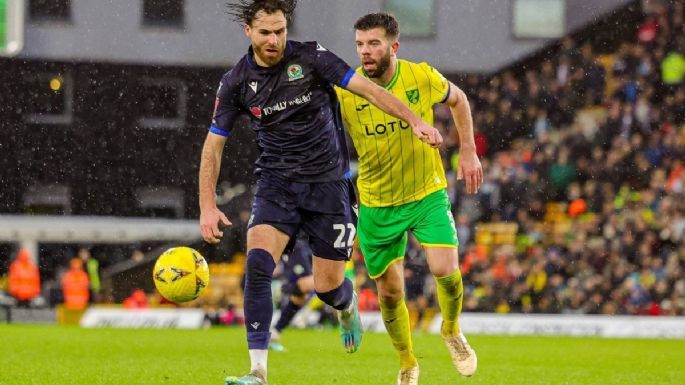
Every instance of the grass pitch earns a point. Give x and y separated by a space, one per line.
55 355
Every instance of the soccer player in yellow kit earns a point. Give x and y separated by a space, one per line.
402 187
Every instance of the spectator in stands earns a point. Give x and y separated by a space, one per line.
673 69
594 81
24 278
137 255
75 286
137 300
93 269
647 31
561 173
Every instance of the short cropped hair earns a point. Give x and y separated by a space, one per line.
379 20
244 11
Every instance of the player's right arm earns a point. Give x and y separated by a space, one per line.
391 105
210 164
226 110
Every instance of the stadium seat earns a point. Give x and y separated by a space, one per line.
52 199
498 233
607 61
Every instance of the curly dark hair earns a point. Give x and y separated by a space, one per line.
244 11
379 20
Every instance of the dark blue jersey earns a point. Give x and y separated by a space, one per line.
294 111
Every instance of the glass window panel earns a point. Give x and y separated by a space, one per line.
416 17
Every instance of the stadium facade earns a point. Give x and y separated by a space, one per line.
108 102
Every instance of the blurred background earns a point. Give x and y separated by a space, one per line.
579 114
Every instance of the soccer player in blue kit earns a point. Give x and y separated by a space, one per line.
286 88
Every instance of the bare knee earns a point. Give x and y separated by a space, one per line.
298 300
391 284
442 261
390 295
306 284
328 274
324 283
444 270
268 238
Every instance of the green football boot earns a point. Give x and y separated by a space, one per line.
248 379
351 327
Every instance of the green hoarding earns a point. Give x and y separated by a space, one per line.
3 24
11 27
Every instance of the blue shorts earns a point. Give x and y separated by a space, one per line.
298 262
325 212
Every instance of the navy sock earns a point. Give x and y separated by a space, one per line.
258 306
340 297
287 314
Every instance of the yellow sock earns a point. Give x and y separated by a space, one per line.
396 320
450 296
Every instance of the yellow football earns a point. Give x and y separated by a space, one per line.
180 274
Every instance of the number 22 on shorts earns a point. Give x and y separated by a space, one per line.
344 229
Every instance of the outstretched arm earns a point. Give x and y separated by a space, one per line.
470 168
210 164
387 102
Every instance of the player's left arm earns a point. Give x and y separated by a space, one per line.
470 168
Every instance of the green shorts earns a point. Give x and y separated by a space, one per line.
382 231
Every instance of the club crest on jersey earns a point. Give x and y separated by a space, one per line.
413 96
294 72
256 111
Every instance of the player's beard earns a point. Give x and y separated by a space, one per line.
382 66
269 60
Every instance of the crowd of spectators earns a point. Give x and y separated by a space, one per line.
586 155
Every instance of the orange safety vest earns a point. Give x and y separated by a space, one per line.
24 278
75 289
137 300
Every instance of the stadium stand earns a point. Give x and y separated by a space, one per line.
585 158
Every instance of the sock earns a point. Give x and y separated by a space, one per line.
287 314
450 296
396 321
258 359
258 306
339 298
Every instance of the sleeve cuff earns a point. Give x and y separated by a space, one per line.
447 95
218 131
347 78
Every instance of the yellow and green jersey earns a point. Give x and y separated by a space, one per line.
395 167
